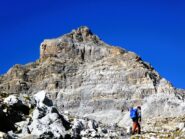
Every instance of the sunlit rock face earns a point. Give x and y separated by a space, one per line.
87 77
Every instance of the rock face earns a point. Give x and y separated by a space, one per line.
89 78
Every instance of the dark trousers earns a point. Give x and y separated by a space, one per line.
136 128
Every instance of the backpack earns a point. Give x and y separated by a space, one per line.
133 113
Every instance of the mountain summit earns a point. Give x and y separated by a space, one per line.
86 77
80 43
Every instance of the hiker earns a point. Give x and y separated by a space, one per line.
135 115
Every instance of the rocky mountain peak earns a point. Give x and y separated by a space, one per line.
82 31
88 78
82 34
79 44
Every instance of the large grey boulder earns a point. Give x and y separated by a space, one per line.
46 120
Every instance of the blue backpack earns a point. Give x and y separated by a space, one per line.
133 113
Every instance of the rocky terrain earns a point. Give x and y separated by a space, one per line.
35 117
82 87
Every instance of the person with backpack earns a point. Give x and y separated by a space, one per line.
135 115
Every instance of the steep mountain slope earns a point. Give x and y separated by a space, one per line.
89 78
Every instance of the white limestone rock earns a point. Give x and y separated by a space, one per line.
3 135
181 126
39 98
46 119
11 100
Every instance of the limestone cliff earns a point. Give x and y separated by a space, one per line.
87 77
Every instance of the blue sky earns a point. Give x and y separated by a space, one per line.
154 29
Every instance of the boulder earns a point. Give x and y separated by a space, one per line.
11 112
181 126
41 99
77 127
3 135
29 137
11 100
46 121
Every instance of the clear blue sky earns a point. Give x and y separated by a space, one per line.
154 29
